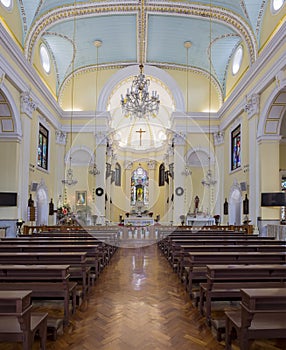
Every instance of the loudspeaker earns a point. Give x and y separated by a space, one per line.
34 186
243 186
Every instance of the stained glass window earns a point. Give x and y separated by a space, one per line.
43 145
139 187
283 183
236 148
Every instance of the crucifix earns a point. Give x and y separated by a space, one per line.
140 131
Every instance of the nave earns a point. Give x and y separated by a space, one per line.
138 303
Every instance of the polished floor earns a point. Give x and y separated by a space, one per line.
138 303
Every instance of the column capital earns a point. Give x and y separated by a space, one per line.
252 105
100 138
61 137
28 105
151 164
179 139
218 138
280 79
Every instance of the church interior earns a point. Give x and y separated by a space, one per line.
143 117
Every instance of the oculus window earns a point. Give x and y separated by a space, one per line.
43 144
236 148
45 58
237 59
276 5
7 3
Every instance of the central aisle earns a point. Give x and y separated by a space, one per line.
137 303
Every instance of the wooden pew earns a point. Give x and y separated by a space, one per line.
98 253
178 257
225 282
45 282
94 256
262 315
79 271
18 323
198 261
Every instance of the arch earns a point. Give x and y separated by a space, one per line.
81 155
273 111
17 132
199 157
148 70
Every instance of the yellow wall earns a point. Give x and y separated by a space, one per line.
270 23
13 23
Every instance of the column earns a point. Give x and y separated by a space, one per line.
179 178
109 153
61 140
252 108
28 106
219 175
152 184
100 181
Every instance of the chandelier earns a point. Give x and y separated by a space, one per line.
209 180
92 169
69 180
137 102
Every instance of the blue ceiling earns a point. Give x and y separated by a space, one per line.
69 28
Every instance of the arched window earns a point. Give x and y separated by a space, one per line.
117 174
139 187
162 174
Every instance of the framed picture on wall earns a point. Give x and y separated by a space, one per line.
80 197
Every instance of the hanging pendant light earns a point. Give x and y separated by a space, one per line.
92 169
69 180
209 180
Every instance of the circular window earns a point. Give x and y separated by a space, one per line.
276 5
45 58
237 59
7 3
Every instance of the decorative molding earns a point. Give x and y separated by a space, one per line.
252 105
218 138
128 165
28 106
2 78
151 164
61 137
179 139
280 79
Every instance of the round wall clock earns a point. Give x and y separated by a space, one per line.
179 191
99 191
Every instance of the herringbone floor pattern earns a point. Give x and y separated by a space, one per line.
137 303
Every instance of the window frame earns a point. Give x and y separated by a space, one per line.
7 7
45 133
274 10
48 57
236 131
235 58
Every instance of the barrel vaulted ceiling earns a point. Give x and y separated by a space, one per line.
150 31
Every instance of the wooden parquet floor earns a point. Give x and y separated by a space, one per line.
137 303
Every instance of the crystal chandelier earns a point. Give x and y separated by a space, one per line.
137 102
209 180
93 170
69 180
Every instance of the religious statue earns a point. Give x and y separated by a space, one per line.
197 201
139 194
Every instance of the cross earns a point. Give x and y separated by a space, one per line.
140 132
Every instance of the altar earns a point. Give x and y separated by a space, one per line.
200 221
138 221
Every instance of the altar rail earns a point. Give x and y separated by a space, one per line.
27 230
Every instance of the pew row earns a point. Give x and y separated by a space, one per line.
262 315
18 323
